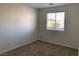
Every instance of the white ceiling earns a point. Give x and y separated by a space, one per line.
44 5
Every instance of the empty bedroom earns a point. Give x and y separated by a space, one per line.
39 29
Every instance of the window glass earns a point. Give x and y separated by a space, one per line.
55 21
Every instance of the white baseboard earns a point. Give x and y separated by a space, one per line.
17 46
29 43
59 44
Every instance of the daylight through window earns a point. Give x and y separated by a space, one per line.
55 21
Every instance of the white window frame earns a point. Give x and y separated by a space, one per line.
55 22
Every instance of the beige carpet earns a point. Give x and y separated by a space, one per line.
41 48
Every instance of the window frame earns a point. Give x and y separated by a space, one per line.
54 29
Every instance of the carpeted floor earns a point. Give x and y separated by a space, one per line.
41 48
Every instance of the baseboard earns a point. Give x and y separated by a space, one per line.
58 44
9 49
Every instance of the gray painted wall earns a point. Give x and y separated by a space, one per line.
17 26
70 37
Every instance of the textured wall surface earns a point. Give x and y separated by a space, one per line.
70 37
17 25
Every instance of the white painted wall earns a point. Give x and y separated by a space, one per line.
70 37
17 26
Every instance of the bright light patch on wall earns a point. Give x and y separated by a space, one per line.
55 21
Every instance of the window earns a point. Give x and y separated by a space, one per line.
55 21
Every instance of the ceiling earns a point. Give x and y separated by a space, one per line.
44 5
